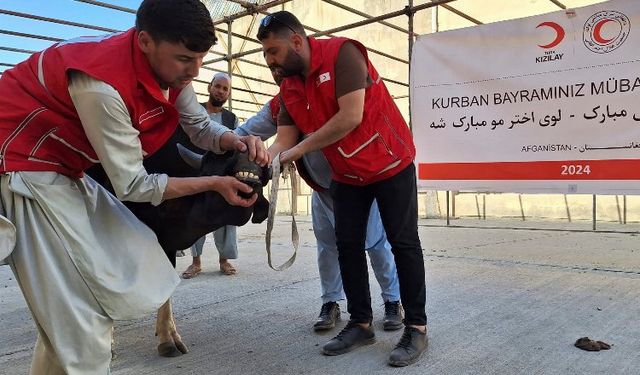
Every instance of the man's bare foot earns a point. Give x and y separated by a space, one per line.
227 268
192 271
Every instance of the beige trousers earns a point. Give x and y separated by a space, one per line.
81 260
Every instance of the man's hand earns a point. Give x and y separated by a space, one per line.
229 187
291 155
254 146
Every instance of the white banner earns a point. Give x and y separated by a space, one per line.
545 104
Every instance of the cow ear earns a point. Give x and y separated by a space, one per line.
260 210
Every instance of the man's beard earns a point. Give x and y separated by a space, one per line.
215 102
292 65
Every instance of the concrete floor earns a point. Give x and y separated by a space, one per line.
499 301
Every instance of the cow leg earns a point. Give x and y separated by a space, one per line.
171 344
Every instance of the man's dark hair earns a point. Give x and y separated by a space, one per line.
281 24
177 21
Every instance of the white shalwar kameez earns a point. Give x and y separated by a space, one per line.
81 258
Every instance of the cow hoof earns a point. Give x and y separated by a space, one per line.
182 347
169 349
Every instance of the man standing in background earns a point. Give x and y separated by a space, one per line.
225 237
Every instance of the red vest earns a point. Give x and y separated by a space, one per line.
380 147
39 126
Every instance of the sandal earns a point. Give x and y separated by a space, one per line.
191 272
228 269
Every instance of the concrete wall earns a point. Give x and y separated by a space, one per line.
569 208
526 207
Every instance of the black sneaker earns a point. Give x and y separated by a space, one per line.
412 344
393 314
351 337
329 314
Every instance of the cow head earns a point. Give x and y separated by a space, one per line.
249 172
235 164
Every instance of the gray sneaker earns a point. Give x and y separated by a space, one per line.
410 347
393 315
329 314
352 336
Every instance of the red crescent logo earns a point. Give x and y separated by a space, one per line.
597 29
559 34
594 31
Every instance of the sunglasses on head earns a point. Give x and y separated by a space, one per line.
268 19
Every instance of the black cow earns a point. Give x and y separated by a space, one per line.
179 223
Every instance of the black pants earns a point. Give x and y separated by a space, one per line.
398 202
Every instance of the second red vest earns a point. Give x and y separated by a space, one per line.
380 147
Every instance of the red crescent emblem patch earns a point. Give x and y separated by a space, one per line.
559 34
597 32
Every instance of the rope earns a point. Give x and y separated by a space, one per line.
273 200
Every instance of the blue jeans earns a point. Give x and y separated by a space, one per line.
377 246
226 242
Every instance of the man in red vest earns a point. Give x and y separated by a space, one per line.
316 172
333 96
80 257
